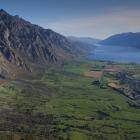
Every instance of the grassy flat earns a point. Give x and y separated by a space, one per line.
64 104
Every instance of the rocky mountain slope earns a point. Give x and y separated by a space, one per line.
26 45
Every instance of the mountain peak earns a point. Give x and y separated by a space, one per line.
3 12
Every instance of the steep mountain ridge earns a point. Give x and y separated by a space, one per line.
25 45
36 43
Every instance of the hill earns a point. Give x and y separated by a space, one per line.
124 39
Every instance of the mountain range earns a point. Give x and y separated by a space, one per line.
27 47
124 39
87 40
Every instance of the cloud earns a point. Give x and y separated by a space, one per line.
117 21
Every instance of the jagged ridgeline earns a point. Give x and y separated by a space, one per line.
24 45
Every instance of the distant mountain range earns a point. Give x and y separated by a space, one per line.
27 47
124 39
87 40
85 43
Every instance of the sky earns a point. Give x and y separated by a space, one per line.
81 18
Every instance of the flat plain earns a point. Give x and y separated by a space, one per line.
65 104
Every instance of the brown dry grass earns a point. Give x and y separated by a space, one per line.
2 81
93 74
111 68
114 85
17 136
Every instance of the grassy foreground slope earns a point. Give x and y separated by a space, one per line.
65 104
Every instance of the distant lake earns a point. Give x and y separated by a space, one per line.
116 53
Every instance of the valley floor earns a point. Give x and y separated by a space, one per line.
77 102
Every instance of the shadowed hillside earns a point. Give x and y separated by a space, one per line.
124 39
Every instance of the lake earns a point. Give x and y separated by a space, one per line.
116 53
